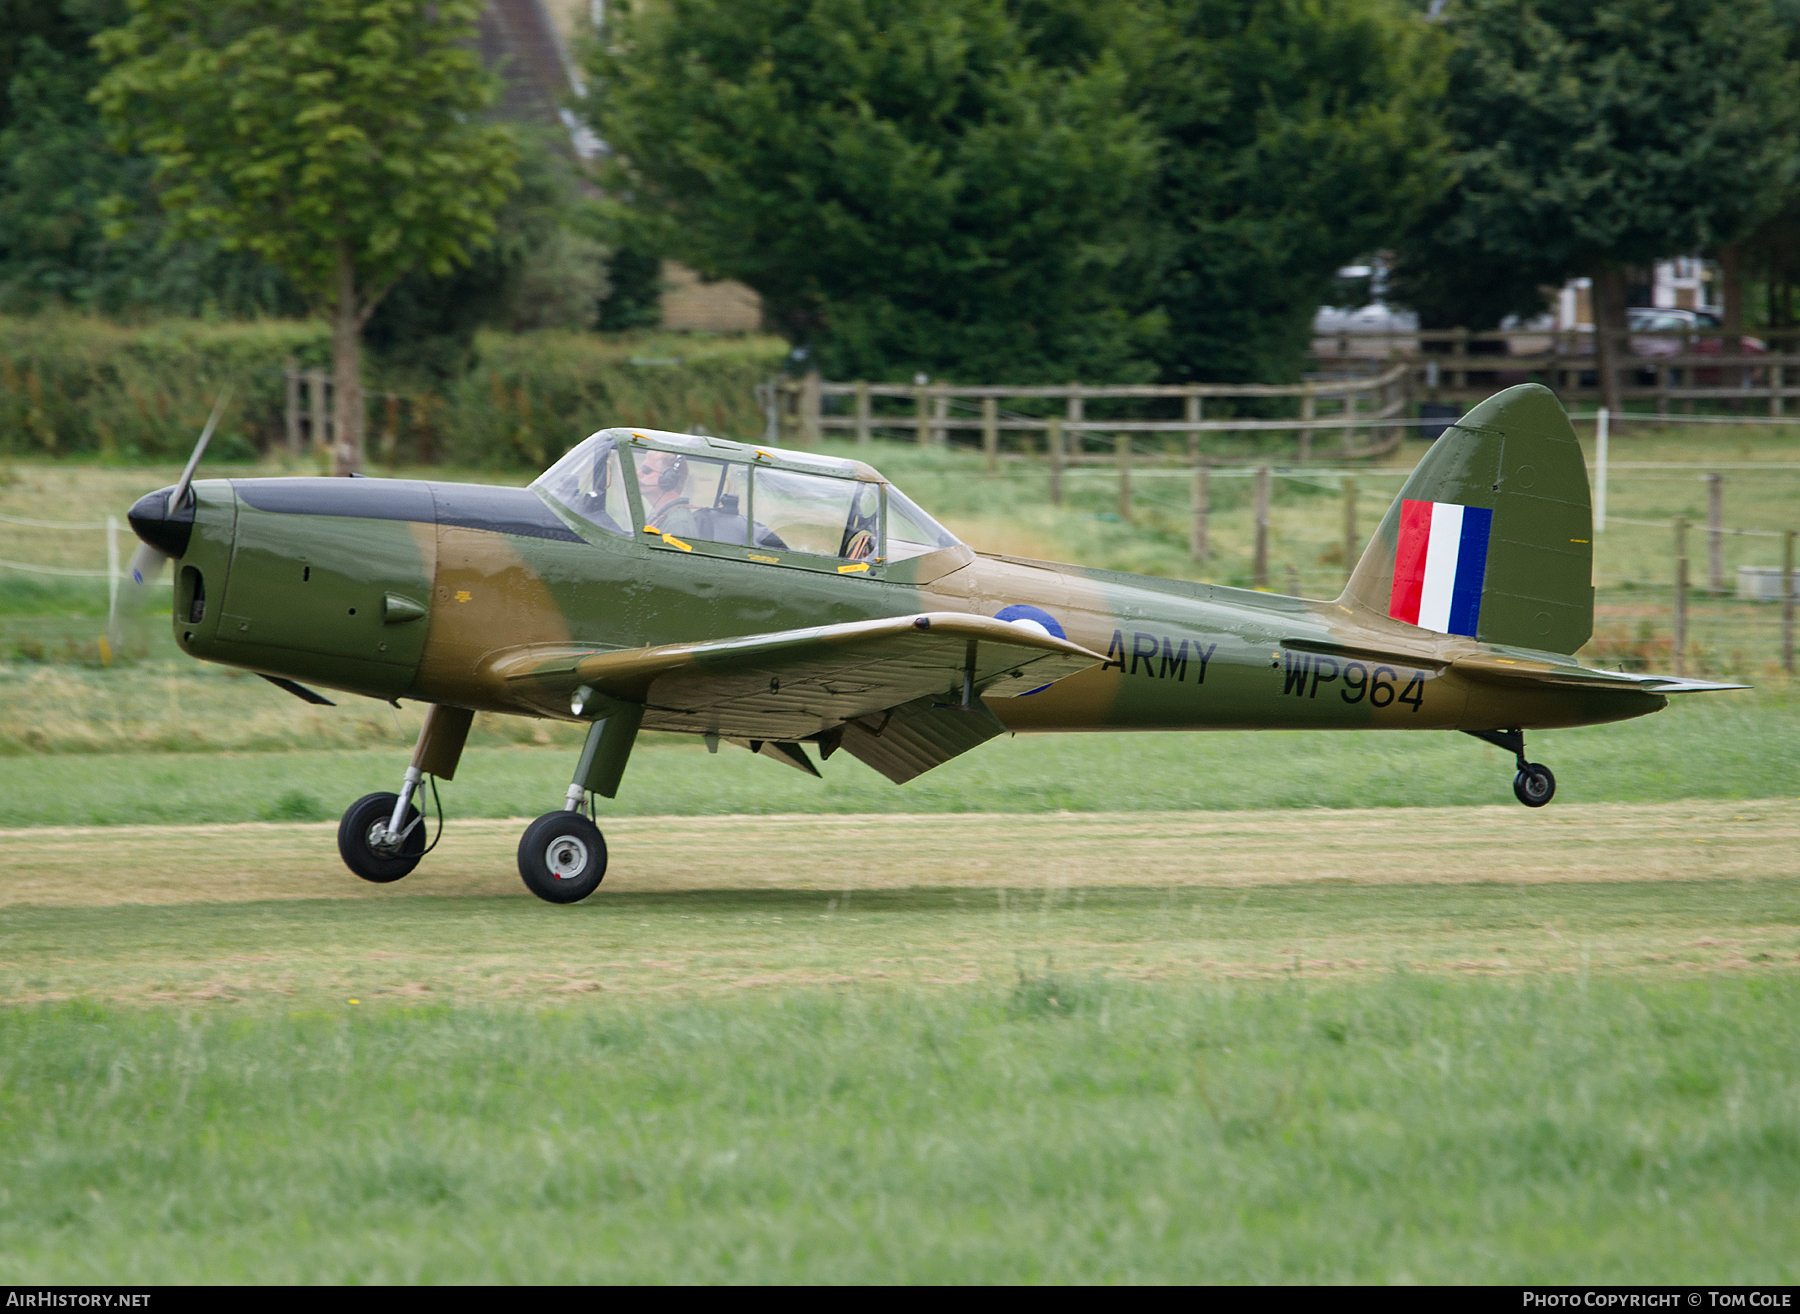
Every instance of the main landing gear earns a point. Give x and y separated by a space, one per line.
1533 786
562 855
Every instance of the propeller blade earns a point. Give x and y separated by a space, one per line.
146 564
187 475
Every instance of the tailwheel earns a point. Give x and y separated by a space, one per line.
562 857
1534 786
367 846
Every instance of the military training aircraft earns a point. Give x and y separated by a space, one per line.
776 599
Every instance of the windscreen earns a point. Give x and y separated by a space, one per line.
910 532
589 481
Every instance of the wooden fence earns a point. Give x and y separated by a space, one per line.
804 409
1669 368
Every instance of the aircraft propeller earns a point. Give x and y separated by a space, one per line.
147 562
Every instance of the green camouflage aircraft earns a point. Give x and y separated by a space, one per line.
776 599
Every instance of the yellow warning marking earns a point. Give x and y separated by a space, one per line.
651 529
462 595
852 569
1578 540
672 541
773 561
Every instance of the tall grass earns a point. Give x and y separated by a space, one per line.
1405 1129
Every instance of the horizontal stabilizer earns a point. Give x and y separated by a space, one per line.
1523 672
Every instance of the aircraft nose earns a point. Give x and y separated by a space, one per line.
152 521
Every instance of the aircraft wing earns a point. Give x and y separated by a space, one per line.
889 691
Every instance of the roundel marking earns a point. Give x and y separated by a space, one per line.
1032 618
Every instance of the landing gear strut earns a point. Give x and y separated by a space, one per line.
1533 786
382 836
562 855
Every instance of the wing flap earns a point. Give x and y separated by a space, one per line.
922 734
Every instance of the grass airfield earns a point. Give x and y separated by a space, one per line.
1229 1008
1418 1044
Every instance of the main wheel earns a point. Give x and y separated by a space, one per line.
562 857
365 822
1534 786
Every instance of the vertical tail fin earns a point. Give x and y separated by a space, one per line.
1492 536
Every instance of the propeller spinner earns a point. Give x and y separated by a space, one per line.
164 520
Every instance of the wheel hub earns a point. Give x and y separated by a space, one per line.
381 840
567 857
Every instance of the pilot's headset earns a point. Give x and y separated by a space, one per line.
674 475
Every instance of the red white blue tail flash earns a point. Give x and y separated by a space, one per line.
1440 564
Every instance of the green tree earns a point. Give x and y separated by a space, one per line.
1771 251
339 140
1590 135
545 268
1293 135
57 172
907 183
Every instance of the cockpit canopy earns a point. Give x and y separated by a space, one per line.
708 493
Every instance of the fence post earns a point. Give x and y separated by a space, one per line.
1351 539
1309 410
112 573
293 406
1681 591
1122 446
811 403
318 413
990 432
940 410
1777 381
1077 413
1259 563
1715 533
862 412
1787 602
1055 440
1602 423
390 435
1202 499
921 426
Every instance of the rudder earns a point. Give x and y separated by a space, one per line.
1492 536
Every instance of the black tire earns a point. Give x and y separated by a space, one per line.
1534 786
364 858
562 857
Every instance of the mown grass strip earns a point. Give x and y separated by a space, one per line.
1056 1128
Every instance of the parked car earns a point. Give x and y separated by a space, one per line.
1669 320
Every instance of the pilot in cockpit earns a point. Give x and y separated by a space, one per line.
663 480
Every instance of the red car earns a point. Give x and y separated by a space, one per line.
1666 322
